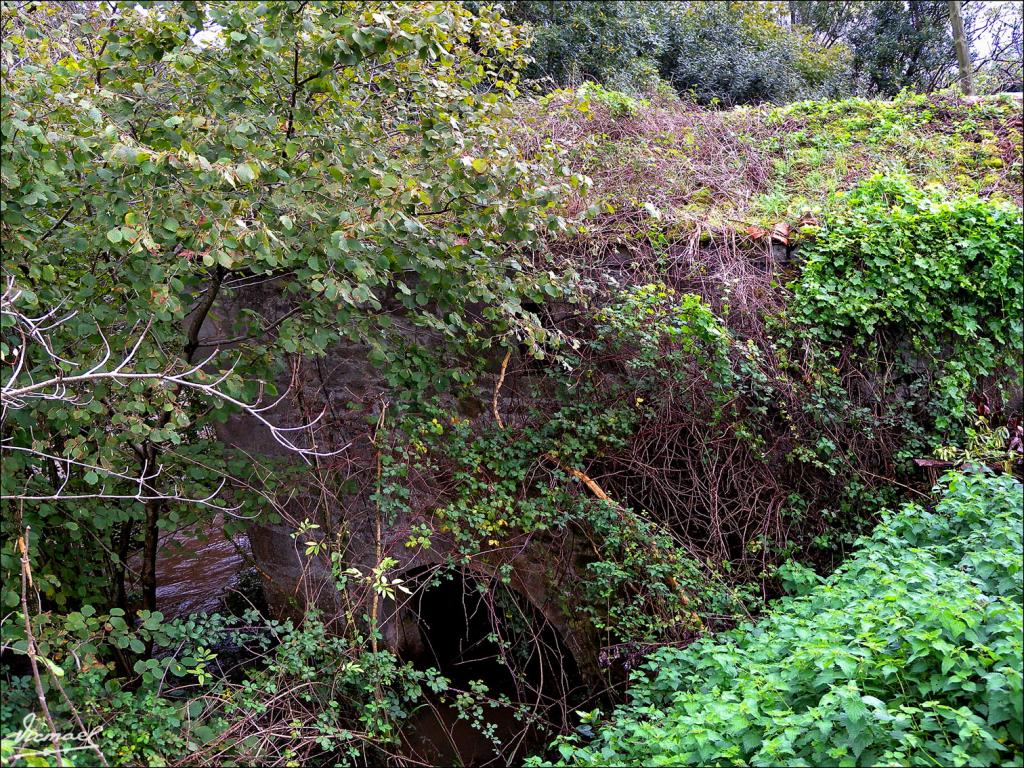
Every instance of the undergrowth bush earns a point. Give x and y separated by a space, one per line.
510 485
932 286
909 654
589 95
223 691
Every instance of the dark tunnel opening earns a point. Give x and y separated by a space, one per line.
473 631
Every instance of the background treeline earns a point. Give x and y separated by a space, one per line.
748 52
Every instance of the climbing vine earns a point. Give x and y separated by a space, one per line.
928 283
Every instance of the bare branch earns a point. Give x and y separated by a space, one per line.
14 396
145 493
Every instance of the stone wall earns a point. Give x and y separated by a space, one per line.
293 581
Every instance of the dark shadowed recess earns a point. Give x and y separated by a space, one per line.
476 631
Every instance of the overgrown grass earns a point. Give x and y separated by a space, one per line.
909 654
821 148
760 165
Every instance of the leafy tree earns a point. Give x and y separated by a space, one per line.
351 152
766 51
901 44
733 52
739 53
614 42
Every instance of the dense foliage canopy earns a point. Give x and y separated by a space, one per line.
749 52
348 149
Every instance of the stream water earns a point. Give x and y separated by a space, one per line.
438 736
196 570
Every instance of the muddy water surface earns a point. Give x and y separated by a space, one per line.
196 570
435 733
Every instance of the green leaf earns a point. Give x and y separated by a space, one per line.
54 668
245 173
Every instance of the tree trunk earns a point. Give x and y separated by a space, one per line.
963 53
149 550
124 543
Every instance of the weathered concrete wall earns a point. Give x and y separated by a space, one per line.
291 580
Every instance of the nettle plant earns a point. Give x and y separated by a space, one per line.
910 654
352 152
929 285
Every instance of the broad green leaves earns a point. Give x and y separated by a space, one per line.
910 654
940 280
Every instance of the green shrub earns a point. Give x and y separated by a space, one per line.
935 285
583 99
910 654
610 42
190 699
737 53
